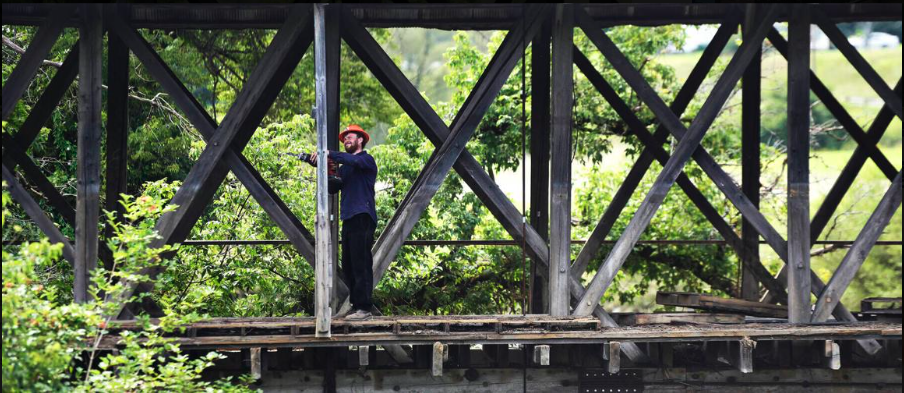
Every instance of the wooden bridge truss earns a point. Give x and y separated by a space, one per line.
546 234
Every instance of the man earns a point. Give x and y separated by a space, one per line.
358 212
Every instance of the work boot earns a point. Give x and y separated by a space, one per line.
344 314
359 315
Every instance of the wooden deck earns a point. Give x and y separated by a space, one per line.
530 329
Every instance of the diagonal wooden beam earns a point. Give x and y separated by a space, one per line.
259 93
858 252
34 56
44 223
837 110
852 169
408 97
50 99
275 208
689 143
860 64
653 146
646 158
241 120
441 161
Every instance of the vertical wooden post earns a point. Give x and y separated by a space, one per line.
539 158
323 233
614 356
750 159
333 40
87 208
117 125
798 165
560 208
437 364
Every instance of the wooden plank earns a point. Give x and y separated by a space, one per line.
468 168
323 233
50 99
117 143
87 207
655 333
750 160
689 143
744 362
635 175
560 173
34 57
539 156
798 165
876 129
685 318
614 356
44 223
857 254
841 42
837 110
256 363
713 303
654 148
437 368
466 122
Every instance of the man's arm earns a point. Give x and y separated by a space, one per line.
362 161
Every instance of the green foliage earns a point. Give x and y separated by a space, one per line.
47 343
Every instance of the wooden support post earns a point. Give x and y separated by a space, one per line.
87 209
323 223
844 274
117 127
539 158
256 363
745 355
437 359
363 355
34 57
333 40
832 353
560 187
798 164
33 210
541 355
614 352
750 161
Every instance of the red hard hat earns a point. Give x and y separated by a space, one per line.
354 128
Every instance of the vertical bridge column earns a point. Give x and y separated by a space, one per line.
87 208
323 233
560 209
798 165
750 160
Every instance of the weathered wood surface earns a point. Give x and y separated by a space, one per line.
713 303
324 258
677 318
798 164
648 333
87 207
560 172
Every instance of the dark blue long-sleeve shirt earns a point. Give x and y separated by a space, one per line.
359 175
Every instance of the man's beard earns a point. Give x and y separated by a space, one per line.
351 148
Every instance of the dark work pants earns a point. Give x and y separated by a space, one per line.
357 260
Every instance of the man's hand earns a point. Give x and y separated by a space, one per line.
313 160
